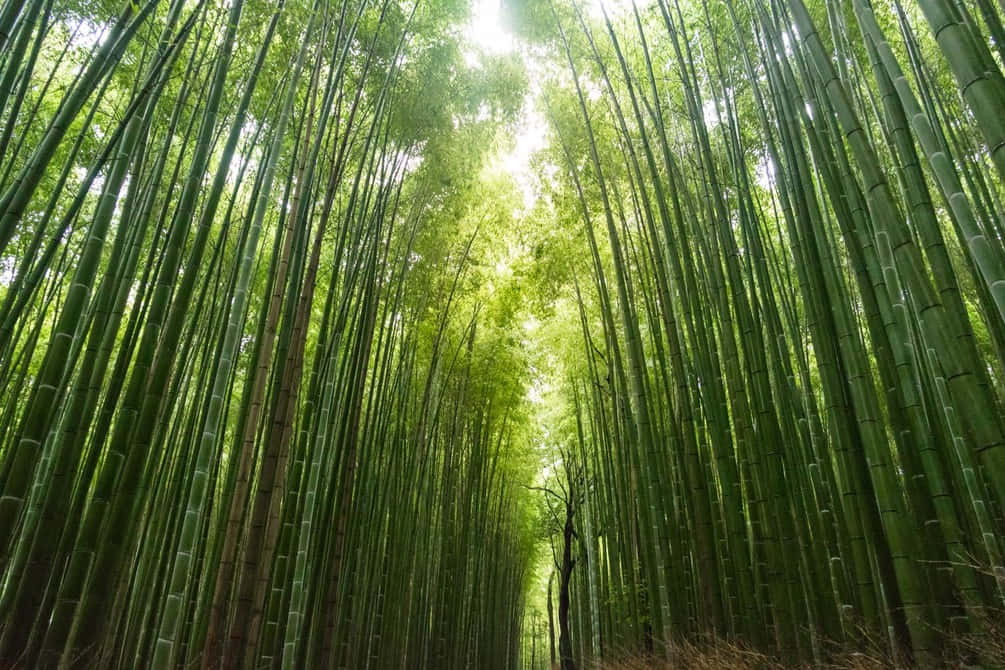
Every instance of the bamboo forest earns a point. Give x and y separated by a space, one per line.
502 334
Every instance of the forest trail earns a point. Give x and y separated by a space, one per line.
502 335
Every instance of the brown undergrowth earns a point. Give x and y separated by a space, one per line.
983 649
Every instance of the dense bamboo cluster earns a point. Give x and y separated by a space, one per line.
290 377
244 416
789 386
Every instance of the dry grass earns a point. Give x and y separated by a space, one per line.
685 654
722 654
985 650
988 644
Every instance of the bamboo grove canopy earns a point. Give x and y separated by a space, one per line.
331 331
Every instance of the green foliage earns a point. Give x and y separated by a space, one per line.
294 329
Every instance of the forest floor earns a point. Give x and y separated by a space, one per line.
860 654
